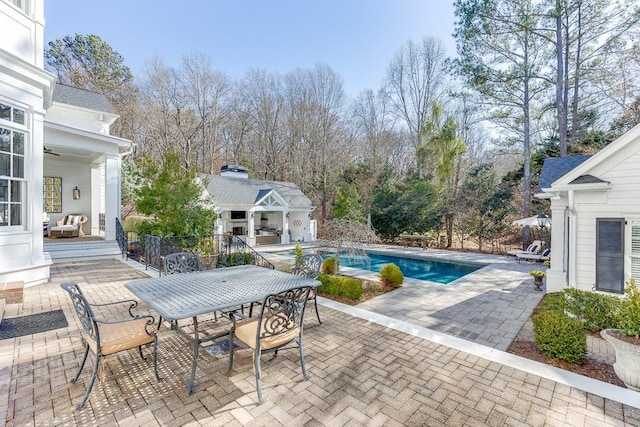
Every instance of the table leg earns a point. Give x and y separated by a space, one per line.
196 349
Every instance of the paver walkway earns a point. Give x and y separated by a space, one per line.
361 373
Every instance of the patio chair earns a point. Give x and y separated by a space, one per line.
541 257
181 262
279 323
310 266
105 337
69 226
534 248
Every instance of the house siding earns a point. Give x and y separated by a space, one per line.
622 200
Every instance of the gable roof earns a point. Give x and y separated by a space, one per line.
629 137
555 167
227 190
82 98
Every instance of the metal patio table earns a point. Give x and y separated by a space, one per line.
181 296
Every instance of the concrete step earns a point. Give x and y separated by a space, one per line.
82 251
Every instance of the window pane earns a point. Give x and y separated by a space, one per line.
4 214
5 142
5 112
18 142
16 193
18 116
18 166
4 164
16 214
4 190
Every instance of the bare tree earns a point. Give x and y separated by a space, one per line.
414 81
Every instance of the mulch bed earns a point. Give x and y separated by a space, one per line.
592 369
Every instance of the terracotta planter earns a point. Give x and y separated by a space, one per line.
627 366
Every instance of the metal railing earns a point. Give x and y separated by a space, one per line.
215 250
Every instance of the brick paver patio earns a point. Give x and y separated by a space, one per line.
361 373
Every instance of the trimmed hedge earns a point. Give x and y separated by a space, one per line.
341 286
391 275
560 336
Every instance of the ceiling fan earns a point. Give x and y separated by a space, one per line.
49 151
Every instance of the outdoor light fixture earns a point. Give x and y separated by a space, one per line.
543 220
288 213
76 193
251 215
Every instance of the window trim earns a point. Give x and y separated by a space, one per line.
13 127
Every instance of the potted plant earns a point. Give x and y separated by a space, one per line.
626 339
207 249
538 275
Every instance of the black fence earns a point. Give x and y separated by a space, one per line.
215 250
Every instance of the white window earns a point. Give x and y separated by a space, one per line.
13 137
20 4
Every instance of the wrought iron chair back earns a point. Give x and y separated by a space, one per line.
310 266
118 335
279 323
181 262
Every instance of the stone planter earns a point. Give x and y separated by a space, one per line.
537 281
209 262
627 366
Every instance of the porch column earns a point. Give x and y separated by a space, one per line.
286 237
251 232
112 195
557 273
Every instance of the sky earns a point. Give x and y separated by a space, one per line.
356 38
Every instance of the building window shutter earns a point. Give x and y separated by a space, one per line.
635 250
610 254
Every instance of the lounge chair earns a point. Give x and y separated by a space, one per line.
533 249
545 255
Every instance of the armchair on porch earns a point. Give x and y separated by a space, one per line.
69 226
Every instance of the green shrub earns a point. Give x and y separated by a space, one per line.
628 315
560 336
341 286
328 266
132 223
299 254
391 275
598 311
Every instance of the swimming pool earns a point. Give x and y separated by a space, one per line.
414 268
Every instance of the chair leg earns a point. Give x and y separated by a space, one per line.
230 351
84 359
256 370
91 382
155 359
142 356
315 302
304 369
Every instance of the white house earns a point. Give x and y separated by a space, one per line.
72 124
595 206
259 211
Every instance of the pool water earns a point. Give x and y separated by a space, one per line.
421 269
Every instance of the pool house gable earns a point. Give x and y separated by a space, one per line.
260 211
595 209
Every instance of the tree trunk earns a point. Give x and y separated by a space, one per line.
560 83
